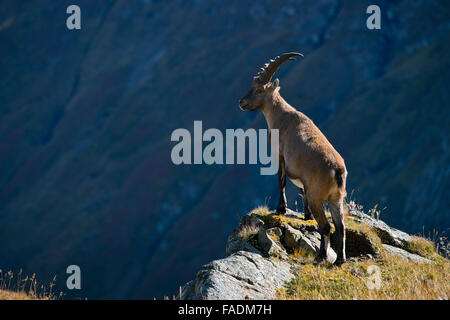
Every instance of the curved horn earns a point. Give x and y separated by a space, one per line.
266 73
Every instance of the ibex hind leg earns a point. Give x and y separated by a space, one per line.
336 205
324 228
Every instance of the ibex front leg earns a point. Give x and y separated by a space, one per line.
281 208
324 226
336 205
306 209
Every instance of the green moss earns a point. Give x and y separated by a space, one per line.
276 220
274 237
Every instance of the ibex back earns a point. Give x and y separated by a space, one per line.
306 156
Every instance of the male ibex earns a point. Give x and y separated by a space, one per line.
306 156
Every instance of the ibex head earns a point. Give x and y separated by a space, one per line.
262 87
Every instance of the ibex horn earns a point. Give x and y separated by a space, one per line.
266 73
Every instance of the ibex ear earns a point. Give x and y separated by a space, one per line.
276 83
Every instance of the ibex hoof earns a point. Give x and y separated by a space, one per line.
308 217
281 209
339 262
321 257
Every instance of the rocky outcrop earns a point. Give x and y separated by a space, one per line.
242 275
266 250
406 255
387 234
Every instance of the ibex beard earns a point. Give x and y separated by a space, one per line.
305 156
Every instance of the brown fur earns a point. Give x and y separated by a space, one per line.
307 153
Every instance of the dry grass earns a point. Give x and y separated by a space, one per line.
21 287
13 295
261 211
301 256
365 230
421 246
399 279
247 232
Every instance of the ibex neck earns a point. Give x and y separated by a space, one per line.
274 109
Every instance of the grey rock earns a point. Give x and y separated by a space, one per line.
406 255
242 275
386 233
250 221
295 239
331 255
309 242
357 244
235 244
271 245
291 237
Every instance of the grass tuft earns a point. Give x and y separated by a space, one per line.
398 279
21 287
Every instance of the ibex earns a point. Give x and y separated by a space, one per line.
306 156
